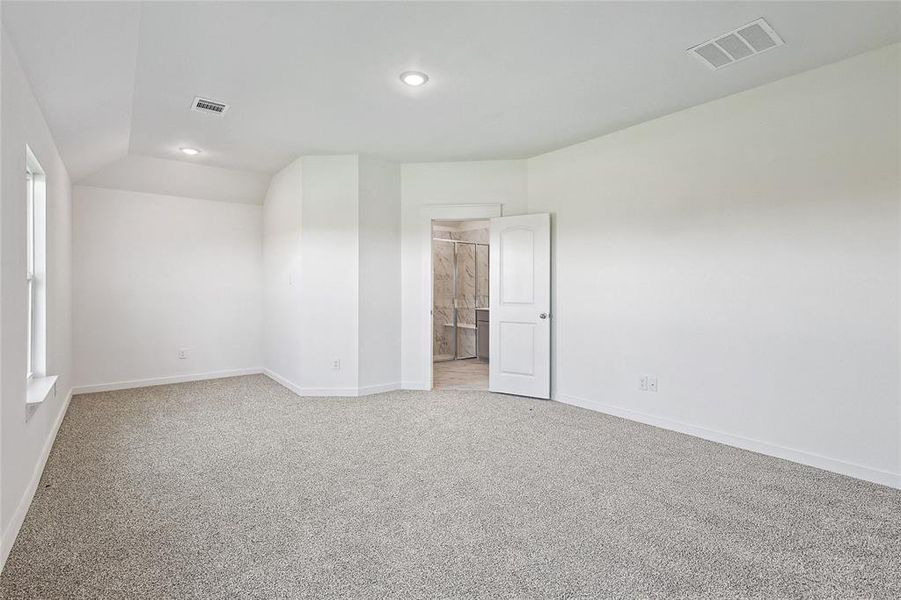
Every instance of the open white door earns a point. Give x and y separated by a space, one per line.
520 303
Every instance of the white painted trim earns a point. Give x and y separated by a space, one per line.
332 392
379 388
282 381
415 385
139 383
427 214
462 226
326 392
38 389
799 456
302 391
12 531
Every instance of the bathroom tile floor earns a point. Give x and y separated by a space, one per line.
467 374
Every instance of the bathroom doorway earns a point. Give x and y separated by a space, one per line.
460 315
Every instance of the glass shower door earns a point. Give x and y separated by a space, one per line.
460 286
466 300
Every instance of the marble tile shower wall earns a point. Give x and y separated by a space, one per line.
471 293
481 256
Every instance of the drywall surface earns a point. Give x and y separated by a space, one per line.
331 253
311 276
425 186
329 275
282 334
24 444
380 298
157 275
180 178
746 253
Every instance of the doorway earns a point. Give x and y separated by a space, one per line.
460 295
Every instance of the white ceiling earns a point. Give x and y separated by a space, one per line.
508 80
80 60
180 178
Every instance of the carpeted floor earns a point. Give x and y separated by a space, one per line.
237 488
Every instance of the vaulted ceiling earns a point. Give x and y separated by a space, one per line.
508 80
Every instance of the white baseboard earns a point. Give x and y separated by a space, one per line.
346 392
12 531
139 383
415 385
799 456
300 391
379 388
303 391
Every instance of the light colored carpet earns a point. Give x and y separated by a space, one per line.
237 488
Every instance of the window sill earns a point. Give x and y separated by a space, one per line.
39 389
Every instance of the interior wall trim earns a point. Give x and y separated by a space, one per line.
347 392
379 388
810 459
15 525
139 383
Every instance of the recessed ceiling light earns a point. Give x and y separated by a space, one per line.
190 151
414 78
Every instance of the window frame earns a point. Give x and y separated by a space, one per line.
30 242
36 255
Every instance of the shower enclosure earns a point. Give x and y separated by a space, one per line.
460 287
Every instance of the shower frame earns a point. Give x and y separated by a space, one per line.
455 324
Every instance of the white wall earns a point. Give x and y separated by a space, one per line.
180 178
423 187
329 275
154 274
380 297
282 333
24 444
332 275
746 253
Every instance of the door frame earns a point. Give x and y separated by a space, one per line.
441 212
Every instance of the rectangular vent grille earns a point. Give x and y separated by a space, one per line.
209 106
741 43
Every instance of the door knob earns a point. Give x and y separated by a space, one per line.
542 316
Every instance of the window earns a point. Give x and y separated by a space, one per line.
35 267
29 268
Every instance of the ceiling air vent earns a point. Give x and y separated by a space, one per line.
209 106
737 45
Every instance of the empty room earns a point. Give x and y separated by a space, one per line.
450 300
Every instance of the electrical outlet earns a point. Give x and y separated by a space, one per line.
643 383
183 353
336 364
652 383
